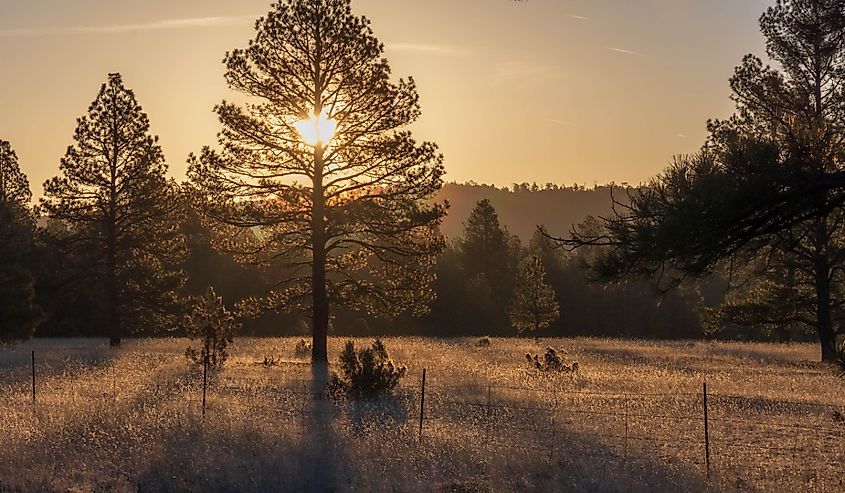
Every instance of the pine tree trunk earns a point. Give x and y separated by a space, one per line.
320 302
112 318
824 321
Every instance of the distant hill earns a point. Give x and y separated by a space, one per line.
522 211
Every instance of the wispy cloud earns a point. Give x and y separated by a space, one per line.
427 49
625 52
682 136
578 17
166 24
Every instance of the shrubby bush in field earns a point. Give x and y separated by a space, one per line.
367 373
484 342
551 361
269 361
214 325
302 349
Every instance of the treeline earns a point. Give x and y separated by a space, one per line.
57 272
479 274
54 278
115 248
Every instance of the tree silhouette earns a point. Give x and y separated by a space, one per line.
770 177
488 249
214 325
14 187
20 314
533 306
488 257
121 212
350 217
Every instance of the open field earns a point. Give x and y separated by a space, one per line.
631 419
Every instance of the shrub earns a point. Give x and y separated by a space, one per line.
365 373
214 325
269 361
302 349
551 361
484 342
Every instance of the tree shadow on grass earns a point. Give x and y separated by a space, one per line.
150 443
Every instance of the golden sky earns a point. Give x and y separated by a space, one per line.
545 90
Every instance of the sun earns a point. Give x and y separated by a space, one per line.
317 130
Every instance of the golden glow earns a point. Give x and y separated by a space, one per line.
317 130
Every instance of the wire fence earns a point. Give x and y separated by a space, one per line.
706 431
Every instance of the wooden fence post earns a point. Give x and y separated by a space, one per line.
33 378
422 404
204 379
625 456
706 433
554 426
489 416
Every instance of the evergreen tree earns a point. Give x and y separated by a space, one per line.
770 177
14 187
214 325
487 256
19 314
533 306
798 111
488 250
121 213
349 215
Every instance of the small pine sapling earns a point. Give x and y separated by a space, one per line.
534 305
215 326
366 374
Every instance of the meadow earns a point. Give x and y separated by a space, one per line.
630 419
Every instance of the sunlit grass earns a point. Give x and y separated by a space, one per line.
629 420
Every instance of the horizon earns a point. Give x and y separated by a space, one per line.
629 86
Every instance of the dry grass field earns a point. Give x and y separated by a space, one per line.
631 419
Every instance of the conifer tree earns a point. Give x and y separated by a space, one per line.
533 306
489 250
14 186
19 314
121 213
348 214
214 325
770 179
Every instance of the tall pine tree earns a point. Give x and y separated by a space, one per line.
122 214
351 217
19 314
490 251
770 178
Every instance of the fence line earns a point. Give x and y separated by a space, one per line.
490 411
